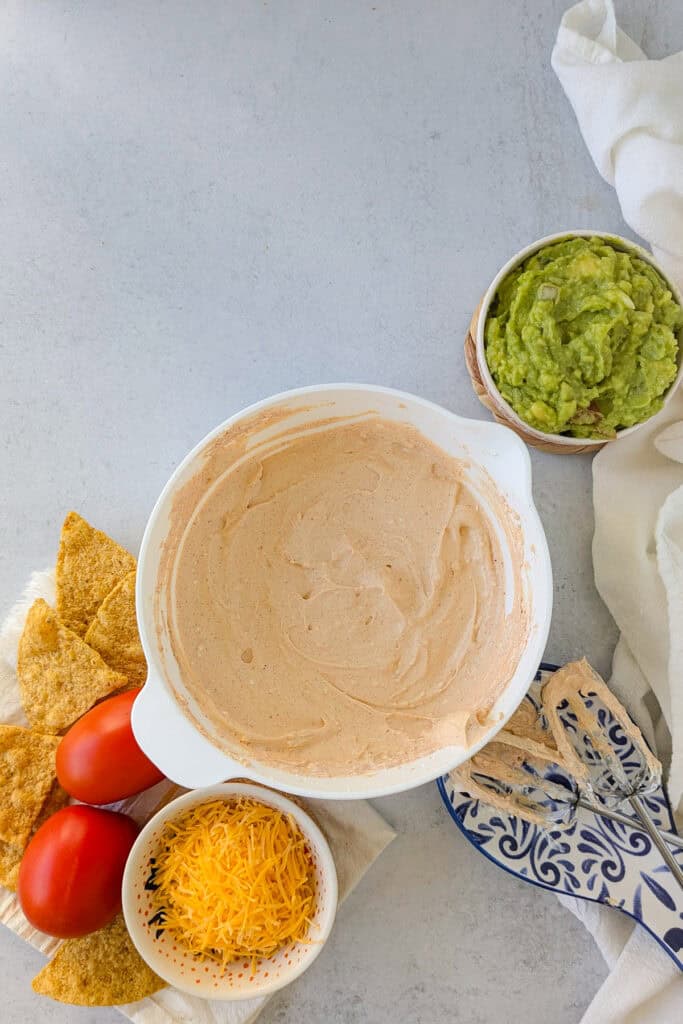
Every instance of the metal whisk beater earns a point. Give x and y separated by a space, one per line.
590 755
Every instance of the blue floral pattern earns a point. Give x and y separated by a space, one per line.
594 858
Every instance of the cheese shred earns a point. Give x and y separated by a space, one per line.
235 879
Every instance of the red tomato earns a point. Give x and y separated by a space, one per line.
99 761
70 875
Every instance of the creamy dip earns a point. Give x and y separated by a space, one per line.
337 603
582 338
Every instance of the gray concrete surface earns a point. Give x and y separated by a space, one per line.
204 203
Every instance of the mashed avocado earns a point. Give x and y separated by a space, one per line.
582 338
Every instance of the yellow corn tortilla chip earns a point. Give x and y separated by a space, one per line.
113 633
89 565
27 774
60 677
11 853
102 969
10 859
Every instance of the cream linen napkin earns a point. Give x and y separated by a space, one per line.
638 560
630 112
356 834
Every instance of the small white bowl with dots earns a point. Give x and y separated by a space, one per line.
240 979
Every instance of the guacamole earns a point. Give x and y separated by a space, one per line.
582 338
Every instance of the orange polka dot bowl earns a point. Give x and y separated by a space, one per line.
161 944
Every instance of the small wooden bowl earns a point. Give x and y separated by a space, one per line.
482 381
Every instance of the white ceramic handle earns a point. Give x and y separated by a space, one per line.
512 469
175 746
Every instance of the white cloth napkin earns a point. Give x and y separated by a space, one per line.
630 112
355 831
638 561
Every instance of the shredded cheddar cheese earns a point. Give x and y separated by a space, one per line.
235 880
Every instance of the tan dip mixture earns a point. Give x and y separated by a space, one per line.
337 603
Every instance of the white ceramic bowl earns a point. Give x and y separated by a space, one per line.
238 980
560 439
185 746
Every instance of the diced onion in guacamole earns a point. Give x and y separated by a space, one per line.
582 339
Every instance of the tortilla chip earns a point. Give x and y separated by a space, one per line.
113 633
10 859
102 969
27 774
89 565
60 677
11 853
56 799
